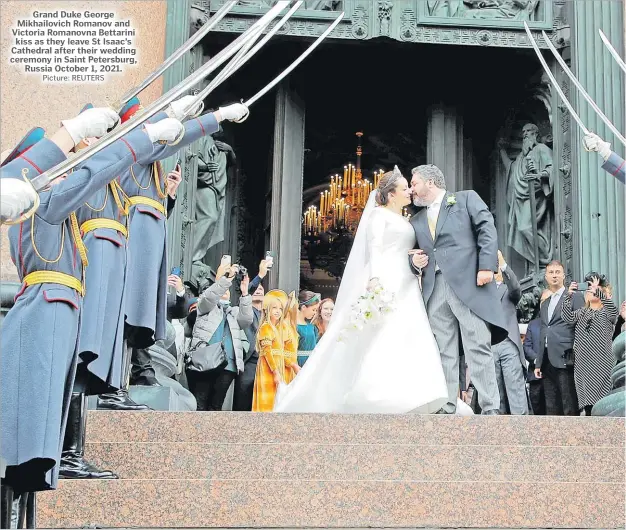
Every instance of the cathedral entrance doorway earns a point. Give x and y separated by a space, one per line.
415 103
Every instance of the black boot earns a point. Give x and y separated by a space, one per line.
73 463
119 400
6 506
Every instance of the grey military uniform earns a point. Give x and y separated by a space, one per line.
40 333
146 285
101 336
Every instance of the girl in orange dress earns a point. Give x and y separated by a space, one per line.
291 338
270 370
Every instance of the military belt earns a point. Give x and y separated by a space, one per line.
60 278
146 201
93 224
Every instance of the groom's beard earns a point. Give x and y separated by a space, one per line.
418 201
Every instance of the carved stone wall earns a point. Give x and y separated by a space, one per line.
421 21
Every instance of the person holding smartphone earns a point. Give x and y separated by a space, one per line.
593 339
174 179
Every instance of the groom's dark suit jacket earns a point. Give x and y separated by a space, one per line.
465 242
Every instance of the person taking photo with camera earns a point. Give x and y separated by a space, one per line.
218 343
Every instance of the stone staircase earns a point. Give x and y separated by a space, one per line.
226 470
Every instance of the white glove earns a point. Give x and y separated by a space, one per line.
167 130
594 143
179 106
16 197
93 122
233 112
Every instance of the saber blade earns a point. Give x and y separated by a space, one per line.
242 57
293 65
190 43
554 82
613 51
582 90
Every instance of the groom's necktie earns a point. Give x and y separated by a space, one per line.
432 225
432 215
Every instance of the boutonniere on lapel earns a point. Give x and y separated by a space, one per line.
451 200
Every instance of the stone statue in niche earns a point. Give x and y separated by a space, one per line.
483 9
530 194
214 159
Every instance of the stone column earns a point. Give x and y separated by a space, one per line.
597 196
286 193
445 146
179 242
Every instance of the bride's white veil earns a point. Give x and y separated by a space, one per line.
328 354
355 275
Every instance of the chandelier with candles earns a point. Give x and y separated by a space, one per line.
342 204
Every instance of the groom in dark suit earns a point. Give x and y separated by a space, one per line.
457 257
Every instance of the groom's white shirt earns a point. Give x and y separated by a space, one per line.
433 212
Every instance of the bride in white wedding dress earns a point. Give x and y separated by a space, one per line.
392 366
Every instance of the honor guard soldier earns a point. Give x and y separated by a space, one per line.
146 279
40 332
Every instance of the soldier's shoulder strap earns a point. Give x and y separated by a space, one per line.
30 139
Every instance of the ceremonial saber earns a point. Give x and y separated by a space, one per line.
241 58
40 182
581 89
291 67
607 43
554 82
190 43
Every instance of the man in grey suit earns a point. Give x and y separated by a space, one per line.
457 258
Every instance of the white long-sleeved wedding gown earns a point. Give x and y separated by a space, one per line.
390 367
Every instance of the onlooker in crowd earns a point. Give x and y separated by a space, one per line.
270 371
508 355
263 270
554 363
217 320
244 383
323 316
532 346
308 303
291 339
177 298
593 332
621 319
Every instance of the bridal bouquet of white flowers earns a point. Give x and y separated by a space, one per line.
369 309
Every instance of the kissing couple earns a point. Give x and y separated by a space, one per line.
409 360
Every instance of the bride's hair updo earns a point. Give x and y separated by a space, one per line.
386 185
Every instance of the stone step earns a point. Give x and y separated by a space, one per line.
247 427
329 504
311 461
217 470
